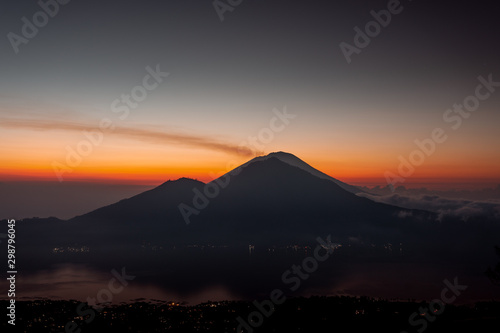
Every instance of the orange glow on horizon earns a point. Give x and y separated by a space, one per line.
356 160
152 175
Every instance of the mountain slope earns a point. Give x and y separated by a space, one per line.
159 203
272 198
297 162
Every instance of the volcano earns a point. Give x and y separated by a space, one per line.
274 198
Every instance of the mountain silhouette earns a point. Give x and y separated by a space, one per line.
274 198
297 162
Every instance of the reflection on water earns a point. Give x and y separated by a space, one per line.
80 282
385 280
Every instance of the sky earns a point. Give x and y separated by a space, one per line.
64 117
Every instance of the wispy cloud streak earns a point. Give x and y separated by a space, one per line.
142 134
